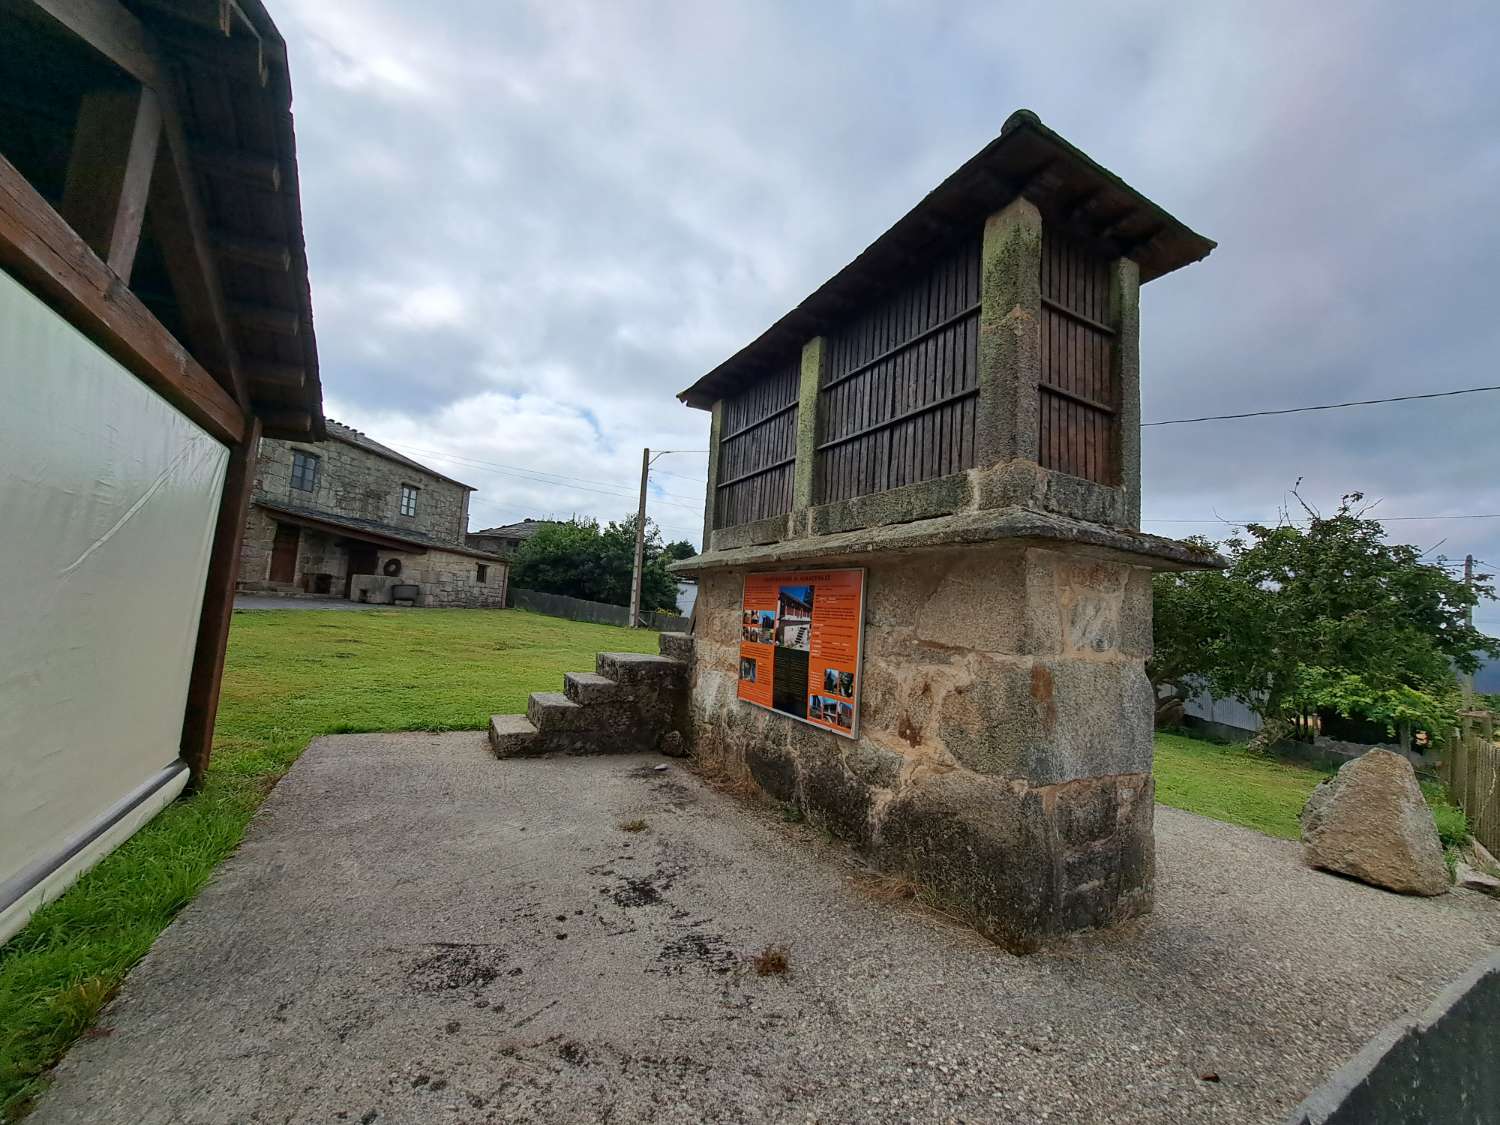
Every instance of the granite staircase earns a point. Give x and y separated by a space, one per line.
631 702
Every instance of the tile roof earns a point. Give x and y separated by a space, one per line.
359 524
523 530
337 431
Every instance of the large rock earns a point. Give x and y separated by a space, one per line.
1370 822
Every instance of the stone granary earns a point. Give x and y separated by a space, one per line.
955 416
351 518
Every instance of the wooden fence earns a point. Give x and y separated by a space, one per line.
1473 776
600 613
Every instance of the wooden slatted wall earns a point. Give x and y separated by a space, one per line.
1080 393
758 448
900 385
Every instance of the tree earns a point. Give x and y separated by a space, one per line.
681 549
581 560
1323 617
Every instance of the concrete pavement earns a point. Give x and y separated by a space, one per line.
414 931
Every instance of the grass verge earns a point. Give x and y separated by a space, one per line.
290 676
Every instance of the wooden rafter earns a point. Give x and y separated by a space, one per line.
177 212
109 171
38 246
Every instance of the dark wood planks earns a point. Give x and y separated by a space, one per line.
109 172
897 404
1079 404
40 249
758 448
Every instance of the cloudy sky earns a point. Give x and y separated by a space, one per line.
530 224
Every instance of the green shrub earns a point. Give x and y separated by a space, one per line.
1452 824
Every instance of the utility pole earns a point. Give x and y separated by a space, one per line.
640 544
1469 679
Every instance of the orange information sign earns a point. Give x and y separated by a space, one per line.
800 638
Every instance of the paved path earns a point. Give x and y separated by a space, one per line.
416 932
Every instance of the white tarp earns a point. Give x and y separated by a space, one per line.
108 498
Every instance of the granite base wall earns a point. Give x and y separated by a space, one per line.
1004 756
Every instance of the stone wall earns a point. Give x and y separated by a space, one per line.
356 482
447 580
1004 757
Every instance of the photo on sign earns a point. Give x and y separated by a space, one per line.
838 683
822 708
794 608
747 669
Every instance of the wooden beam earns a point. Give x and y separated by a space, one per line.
284 419
106 26
286 375
283 322
182 233
109 171
42 250
207 673
264 253
177 213
243 167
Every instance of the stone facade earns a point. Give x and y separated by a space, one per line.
355 506
1004 756
355 480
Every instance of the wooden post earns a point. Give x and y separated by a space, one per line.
218 605
109 172
640 544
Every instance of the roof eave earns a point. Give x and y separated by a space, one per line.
1027 158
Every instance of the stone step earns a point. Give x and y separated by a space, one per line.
513 736
584 688
553 711
632 668
676 646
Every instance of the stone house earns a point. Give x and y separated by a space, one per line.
505 540
351 518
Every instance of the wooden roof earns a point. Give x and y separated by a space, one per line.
1027 158
228 67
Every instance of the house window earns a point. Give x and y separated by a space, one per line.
304 471
408 500
481 572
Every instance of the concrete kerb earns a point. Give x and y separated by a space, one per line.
1439 1066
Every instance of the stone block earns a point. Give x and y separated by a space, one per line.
676 646
773 529
513 736
923 500
773 768
588 687
550 711
984 846
632 669
832 797
1049 720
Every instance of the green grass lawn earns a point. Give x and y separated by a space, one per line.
291 675
1231 783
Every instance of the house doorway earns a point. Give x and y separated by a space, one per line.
284 553
362 560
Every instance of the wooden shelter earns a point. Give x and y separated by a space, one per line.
150 236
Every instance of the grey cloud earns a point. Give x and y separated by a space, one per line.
623 194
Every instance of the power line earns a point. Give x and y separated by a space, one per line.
1325 406
1377 519
536 476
